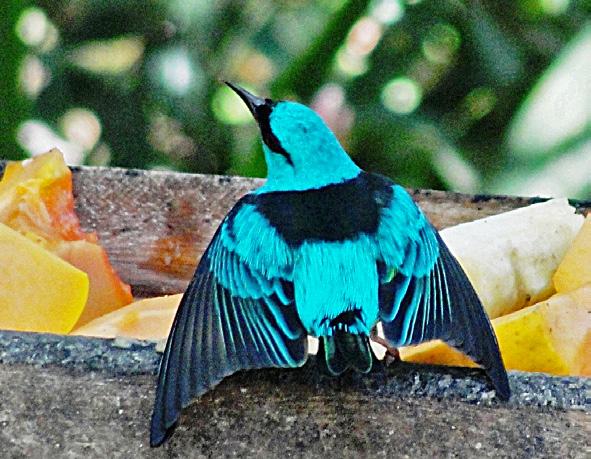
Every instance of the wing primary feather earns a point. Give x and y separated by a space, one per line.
247 325
192 343
222 345
425 310
258 323
479 339
201 371
238 332
446 312
175 371
167 405
261 352
429 293
257 354
275 330
465 318
230 346
270 334
218 362
439 303
411 314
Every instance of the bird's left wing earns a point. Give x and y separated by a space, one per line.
237 313
424 294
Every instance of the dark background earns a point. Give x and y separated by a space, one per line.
475 96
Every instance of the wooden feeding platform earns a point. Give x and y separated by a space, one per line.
75 396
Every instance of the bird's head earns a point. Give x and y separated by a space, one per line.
300 150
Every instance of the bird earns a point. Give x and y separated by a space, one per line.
322 248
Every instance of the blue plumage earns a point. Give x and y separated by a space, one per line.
322 249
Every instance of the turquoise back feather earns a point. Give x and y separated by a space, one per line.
333 278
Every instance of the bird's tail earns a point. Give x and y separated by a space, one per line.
345 350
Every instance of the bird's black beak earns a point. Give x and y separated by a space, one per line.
252 102
261 110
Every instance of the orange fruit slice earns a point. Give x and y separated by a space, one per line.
38 291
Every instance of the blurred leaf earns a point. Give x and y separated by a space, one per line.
399 147
499 58
454 170
113 56
568 175
304 76
467 68
14 106
559 106
82 20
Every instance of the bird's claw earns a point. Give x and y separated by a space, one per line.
392 354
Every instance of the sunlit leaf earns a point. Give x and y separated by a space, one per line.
113 56
455 171
559 106
305 75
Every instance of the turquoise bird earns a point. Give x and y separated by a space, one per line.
323 248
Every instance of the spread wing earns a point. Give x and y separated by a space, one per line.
424 293
237 313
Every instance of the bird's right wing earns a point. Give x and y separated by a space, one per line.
237 313
424 293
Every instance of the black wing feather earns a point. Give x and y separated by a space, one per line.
479 340
217 332
440 304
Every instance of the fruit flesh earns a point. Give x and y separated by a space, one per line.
107 292
145 319
38 291
36 196
526 343
575 269
36 200
510 258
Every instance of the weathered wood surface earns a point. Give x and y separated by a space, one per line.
59 413
75 397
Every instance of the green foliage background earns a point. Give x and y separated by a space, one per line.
472 95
